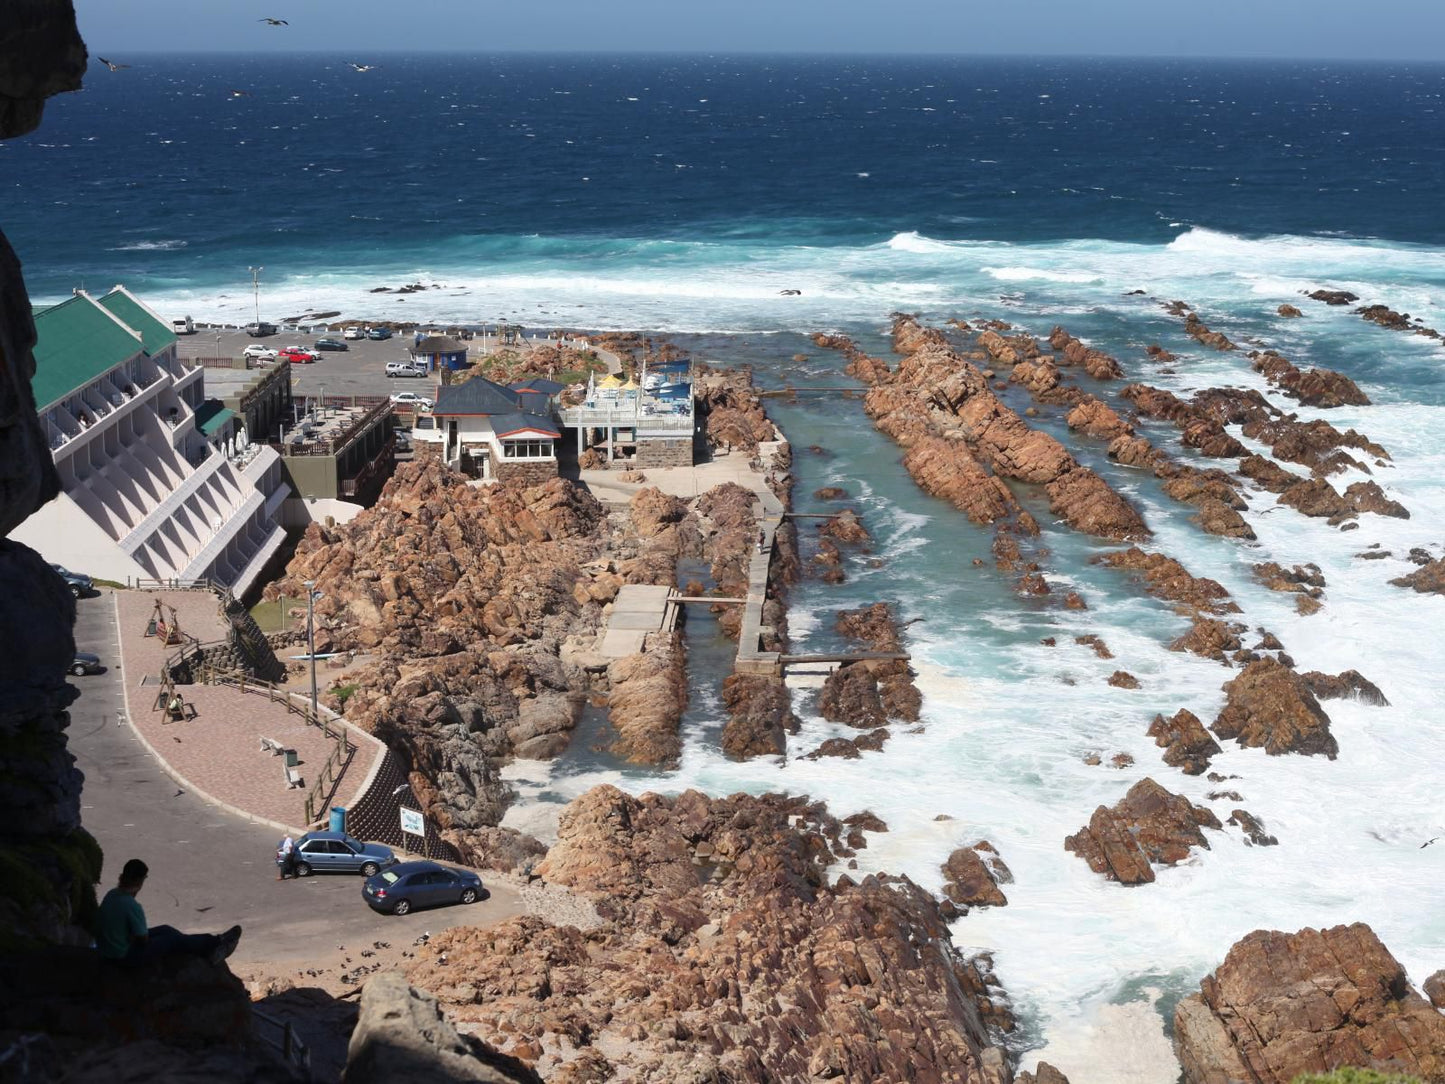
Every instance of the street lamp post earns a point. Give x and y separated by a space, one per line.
311 639
321 403
256 288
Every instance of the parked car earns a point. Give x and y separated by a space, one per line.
354 332
297 357
331 344
412 399
379 333
337 852
184 326
78 583
403 368
257 352
398 890
85 663
261 329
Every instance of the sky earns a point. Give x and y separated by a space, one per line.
1337 29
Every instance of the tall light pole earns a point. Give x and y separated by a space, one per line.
256 288
311 640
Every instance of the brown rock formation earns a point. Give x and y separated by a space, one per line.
1167 579
1186 744
1100 648
846 527
760 716
1253 829
1148 825
1316 387
909 336
1043 1074
1096 363
1301 580
717 909
1396 321
1122 679
1427 579
1098 420
850 695
1334 297
1196 329
831 493
1288 310
1351 685
731 412
1434 989
1271 707
647 698
970 881
947 469
1284 1004
876 628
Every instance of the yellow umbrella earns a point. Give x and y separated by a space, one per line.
613 381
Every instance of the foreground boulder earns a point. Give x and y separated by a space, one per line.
402 1037
1270 707
1284 1004
1149 825
725 955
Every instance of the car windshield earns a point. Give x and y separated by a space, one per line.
390 878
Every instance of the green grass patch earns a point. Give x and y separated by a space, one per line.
271 616
107 583
343 693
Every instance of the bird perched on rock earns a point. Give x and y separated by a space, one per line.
273 22
112 66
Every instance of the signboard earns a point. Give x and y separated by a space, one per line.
412 822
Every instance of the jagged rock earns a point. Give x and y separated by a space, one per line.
760 716
1122 679
1284 1004
946 469
1434 989
1267 473
1369 497
1288 310
732 414
1271 707
1044 1073
1253 829
831 493
1350 684
1148 825
1186 744
1167 579
647 698
867 821
1334 297
1428 579
1315 387
504 849
1098 646
1210 639
403 1037
1316 498
846 527
1097 419
715 908
850 695
969 881
1306 580
1196 329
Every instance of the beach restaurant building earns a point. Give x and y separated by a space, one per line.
491 431
155 484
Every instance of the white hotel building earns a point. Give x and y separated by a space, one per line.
148 491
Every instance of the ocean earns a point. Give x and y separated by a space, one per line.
682 195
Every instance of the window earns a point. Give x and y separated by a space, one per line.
526 449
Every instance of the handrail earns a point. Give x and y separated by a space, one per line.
293 1050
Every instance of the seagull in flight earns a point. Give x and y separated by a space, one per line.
273 22
112 67
361 67
240 94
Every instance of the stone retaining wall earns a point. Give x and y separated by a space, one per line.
662 452
527 474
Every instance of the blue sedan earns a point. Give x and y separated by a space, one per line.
400 889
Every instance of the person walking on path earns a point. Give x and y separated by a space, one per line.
286 858
122 934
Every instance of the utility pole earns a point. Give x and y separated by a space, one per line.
311 640
256 288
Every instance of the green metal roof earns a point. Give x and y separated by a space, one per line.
76 341
154 333
211 415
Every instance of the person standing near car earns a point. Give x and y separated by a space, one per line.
286 858
123 936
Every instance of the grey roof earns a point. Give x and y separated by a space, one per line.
506 424
477 396
439 344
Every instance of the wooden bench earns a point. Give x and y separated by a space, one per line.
273 746
293 778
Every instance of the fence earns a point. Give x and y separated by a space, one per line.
293 1051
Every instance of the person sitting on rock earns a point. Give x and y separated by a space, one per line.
122 934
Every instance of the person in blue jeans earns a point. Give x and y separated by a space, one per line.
123 936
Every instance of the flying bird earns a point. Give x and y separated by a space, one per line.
240 94
361 67
112 67
273 22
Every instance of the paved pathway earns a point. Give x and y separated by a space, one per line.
637 610
211 868
219 751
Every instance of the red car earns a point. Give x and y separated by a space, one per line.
297 357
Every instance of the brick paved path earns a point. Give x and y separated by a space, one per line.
219 751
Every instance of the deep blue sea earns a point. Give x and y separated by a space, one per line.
683 195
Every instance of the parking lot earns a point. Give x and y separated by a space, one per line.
359 370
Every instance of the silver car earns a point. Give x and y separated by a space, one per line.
337 852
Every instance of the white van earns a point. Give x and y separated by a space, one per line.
183 326
354 332
404 368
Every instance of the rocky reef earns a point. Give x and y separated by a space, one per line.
1283 1004
726 955
1149 826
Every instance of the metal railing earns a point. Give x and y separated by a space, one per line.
292 1050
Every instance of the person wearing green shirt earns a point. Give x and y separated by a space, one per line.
122 934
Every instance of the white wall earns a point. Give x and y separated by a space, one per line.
64 535
301 511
